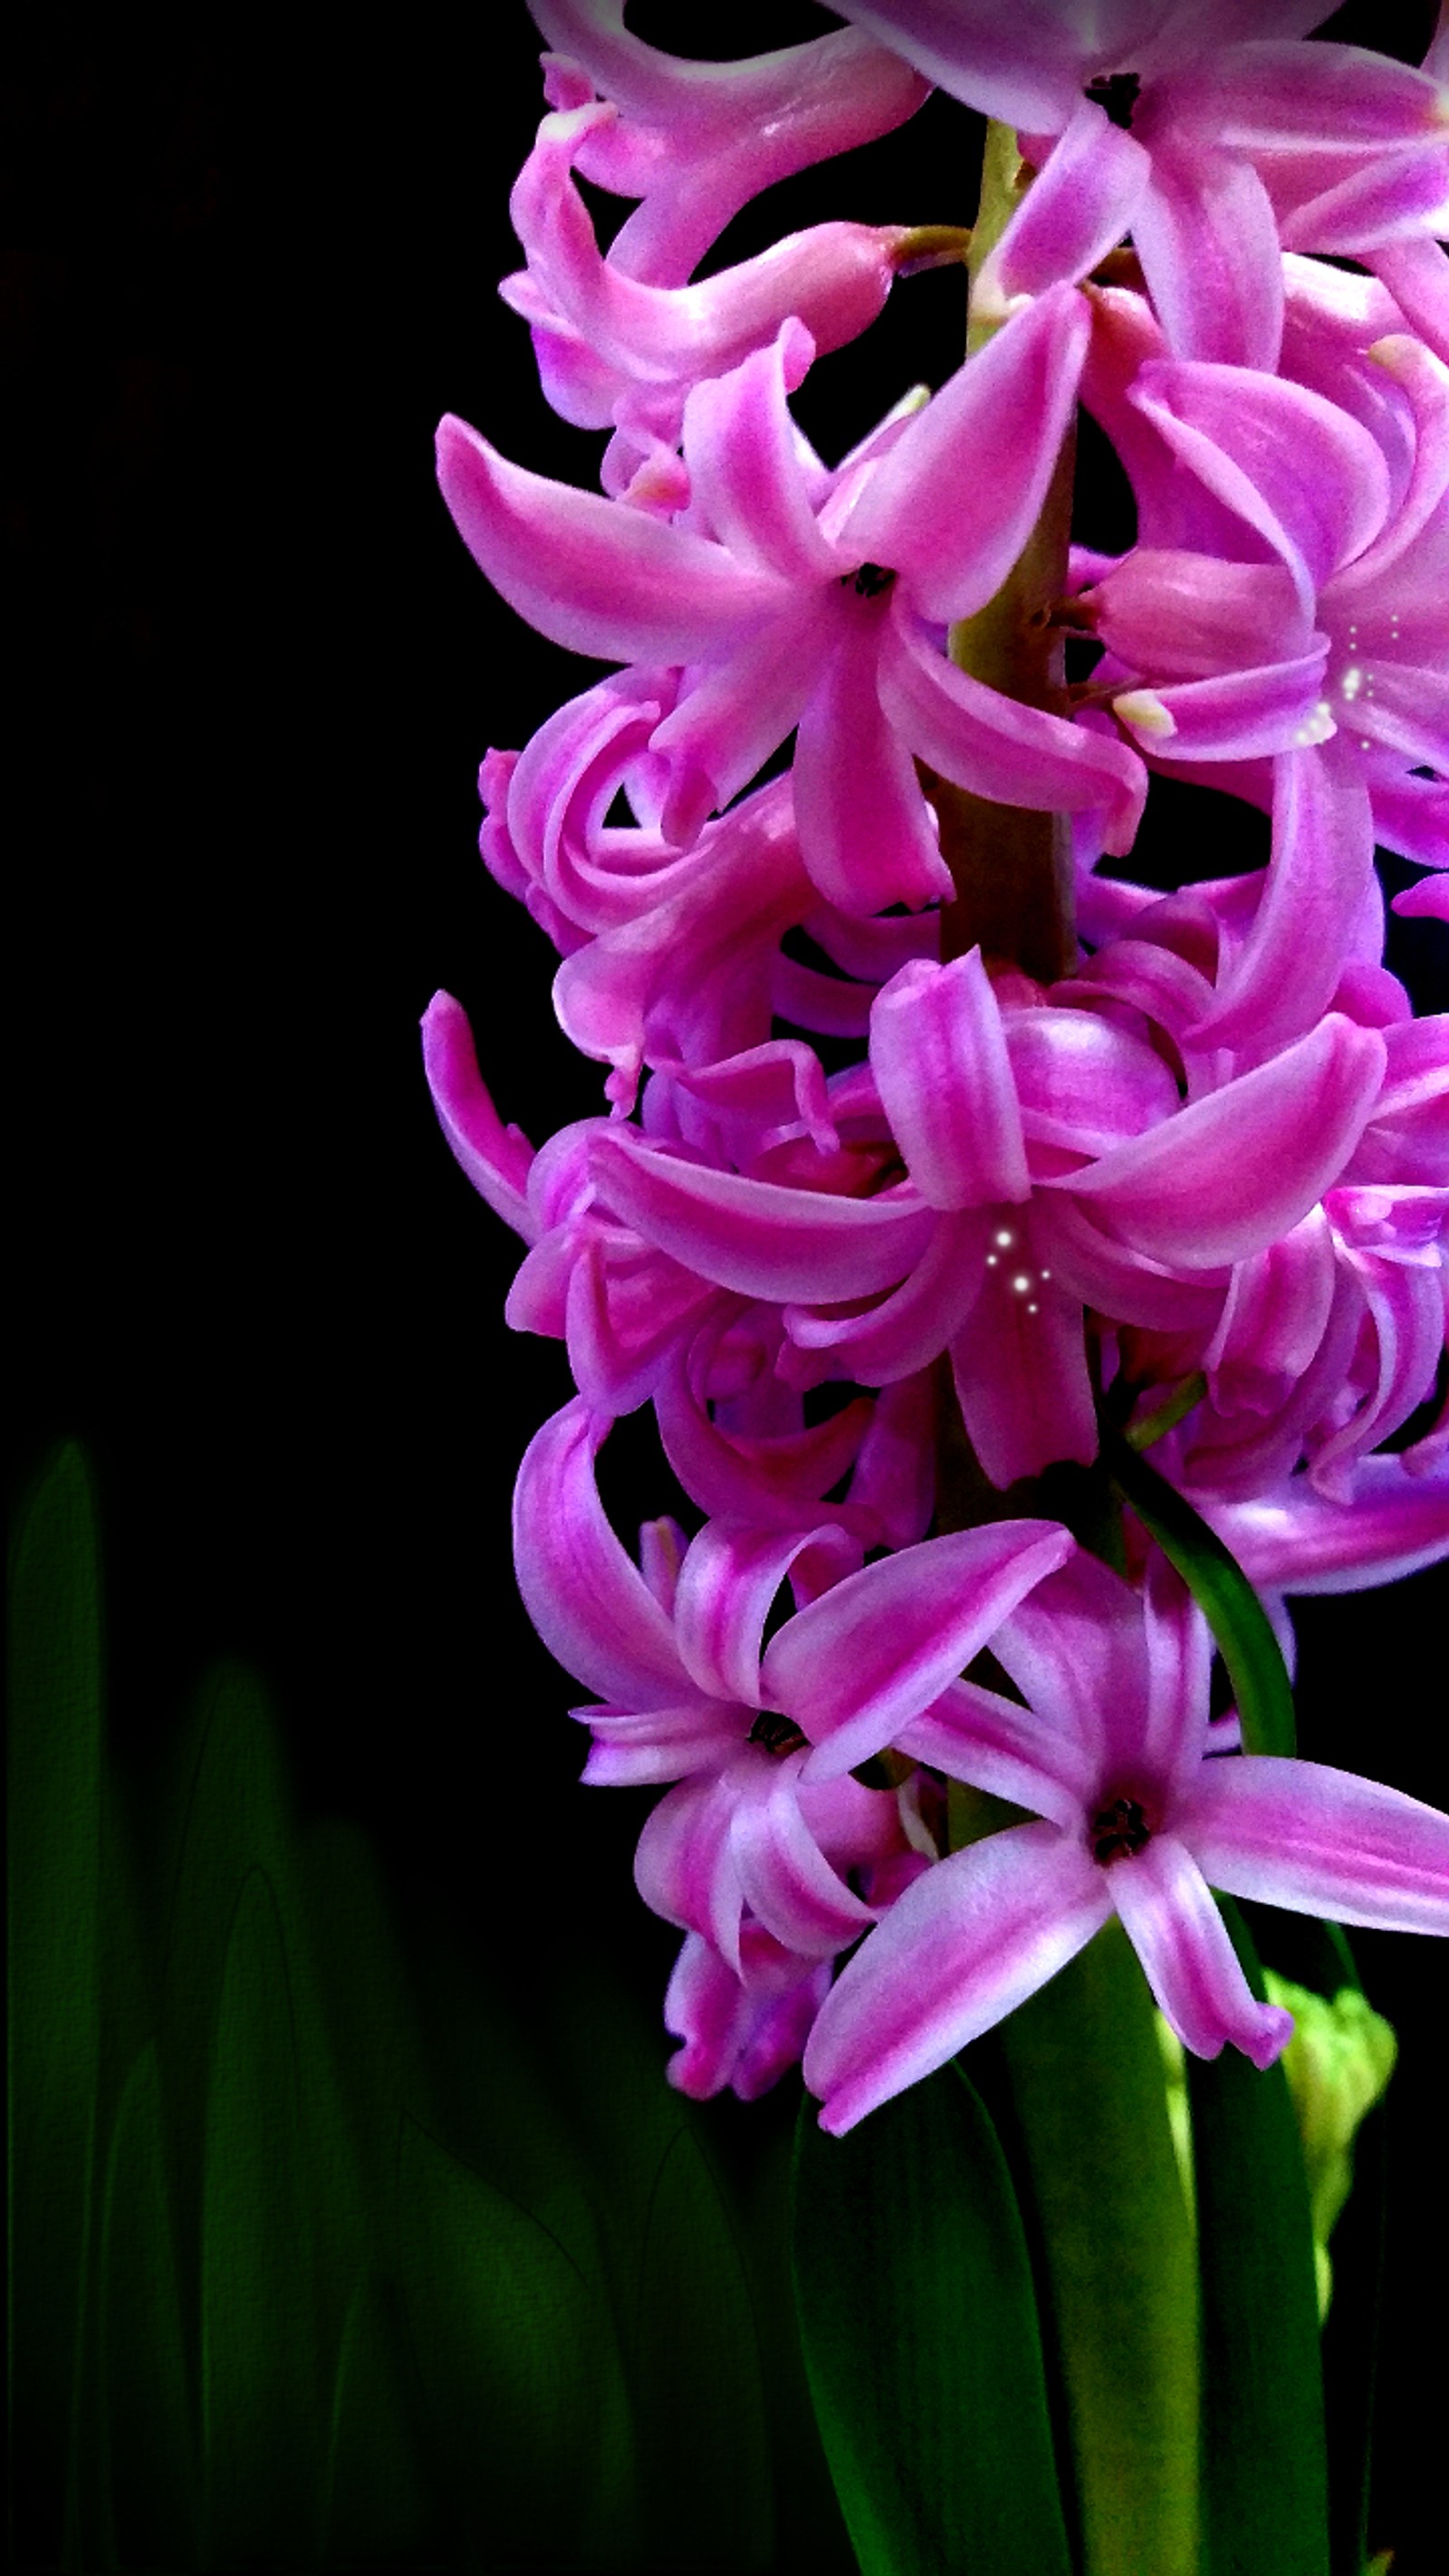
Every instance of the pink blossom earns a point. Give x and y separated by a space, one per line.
695 141
1213 137
1140 1817
740 2028
797 597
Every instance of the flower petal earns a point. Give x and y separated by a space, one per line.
1170 1919
867 835
1320 1841
977 1736
856 1666
1240 1166
496 1158
1321 868
938 1052
585 1596
1207 238
1019 1363
728 1580
786 1879
967 1943
758 1237
1076 209
599 579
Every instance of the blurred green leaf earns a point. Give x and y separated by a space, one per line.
377 2510
53 1837
1265 2476
147 2428
1218 1584
522 2383
263 2435
704 2449
919 2324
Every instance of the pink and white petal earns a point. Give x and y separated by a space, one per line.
597 579
652 1745
916 1322
787 1881
1185 616
1239 715
1304 473
1242 1165
1076 1650
727 1583
1401 196
1416 274
855 1667
950 532
707 2006
736 710
1074 212
967 1943
1167 1911
1019 1363
758 1237
740 446
1000 749
1424 380
1320 1841
1027 71
1407 710
684 1866
1082 1081
1321 868
1179 1670
774 1482
1268 96
585 1596
938 1052
1126 1286
977 1736
867 836
497 1159
1207 238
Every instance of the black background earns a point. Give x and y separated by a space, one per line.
252 263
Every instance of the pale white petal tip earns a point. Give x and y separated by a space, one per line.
1144 711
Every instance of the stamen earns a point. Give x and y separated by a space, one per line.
870 581
1119 1830
1117 92
778 1735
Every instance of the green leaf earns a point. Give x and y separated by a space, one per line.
148 2430
521 2378
1265 2477
54 1841
704 2450
377 2511
1104 2196
263 2434
1220 1587
919 2325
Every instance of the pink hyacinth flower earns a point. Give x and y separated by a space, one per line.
1210 134
615 351
695 141
1141 1817
796 597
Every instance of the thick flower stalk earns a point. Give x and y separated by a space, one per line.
905 1204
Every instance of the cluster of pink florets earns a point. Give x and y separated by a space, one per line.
1213 1158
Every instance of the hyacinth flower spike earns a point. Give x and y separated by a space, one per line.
1141 1816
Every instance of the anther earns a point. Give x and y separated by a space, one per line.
778 1735
1119 1830
1117 92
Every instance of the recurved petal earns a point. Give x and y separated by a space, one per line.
859 1664
1207 239
787 1881
684 1866
759 1237
1000 749
975 1735
951 532
585 1596
728 1580
1074 212
496 1158
1178 1934
1320 1841
1019 1364
741 448
616 583
938 1052
1239 1167
915 1323
1075 1649
967 1943
867 835
1321 868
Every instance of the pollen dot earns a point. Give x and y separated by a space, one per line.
1022 1282
1005 1238
1046 1274
1031 1310
991 1261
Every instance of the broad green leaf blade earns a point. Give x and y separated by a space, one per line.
263 2429
704 2460
377 2511
522 2384
1101 2182
919 2323
54 1837
1220 1587
148 2427
1265 2479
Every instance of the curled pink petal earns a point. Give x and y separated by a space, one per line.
1321 867
588 1601
727 1583
977 1736
1074 212
938 1052
867 835
497 1159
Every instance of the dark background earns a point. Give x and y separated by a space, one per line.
251 264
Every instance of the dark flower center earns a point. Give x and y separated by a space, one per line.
1117 92
1119 1830
870 581
779 1735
